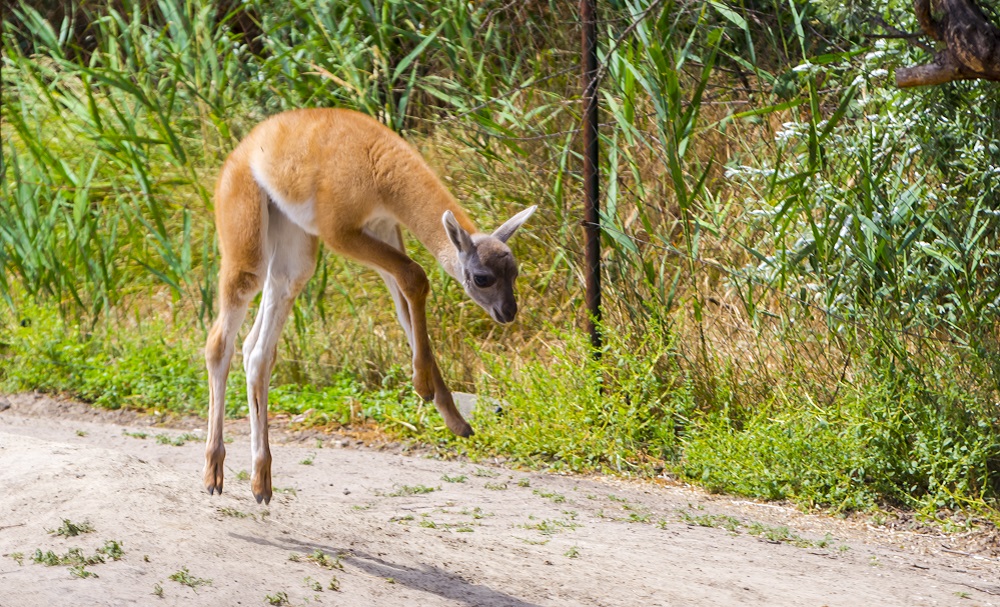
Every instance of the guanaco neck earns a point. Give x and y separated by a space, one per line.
420 207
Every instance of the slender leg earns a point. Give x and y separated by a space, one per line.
236 290
411 281
291 263
389 233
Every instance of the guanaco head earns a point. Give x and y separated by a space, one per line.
486 267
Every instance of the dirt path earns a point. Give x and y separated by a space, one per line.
496 537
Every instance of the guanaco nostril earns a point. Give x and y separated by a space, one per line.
509 311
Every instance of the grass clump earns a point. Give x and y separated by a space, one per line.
319 558
408 490
73 557
71 529
184 577
176 441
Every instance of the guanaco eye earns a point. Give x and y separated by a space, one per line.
483 280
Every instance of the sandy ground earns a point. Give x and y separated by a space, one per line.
500 537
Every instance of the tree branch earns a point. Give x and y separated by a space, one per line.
972 44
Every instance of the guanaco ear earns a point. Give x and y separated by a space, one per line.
504 232
456 233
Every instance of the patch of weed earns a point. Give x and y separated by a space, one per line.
320 558
551 527
454 479
71 529
112 549
407 490
184 577
552 495
74 556
80 572
176 441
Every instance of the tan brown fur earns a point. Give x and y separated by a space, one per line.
343 178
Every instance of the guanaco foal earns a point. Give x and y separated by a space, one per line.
342 177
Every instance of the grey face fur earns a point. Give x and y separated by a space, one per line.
487 268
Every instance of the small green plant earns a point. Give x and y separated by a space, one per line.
496 486
320 558
476 513
484 473
18 557
177 441
406 490
71 529
74 556
308 460
313 585
184 577
158 590
524 482
81 433
139 435
227 511
454 479
242 475
334 584
551 527
278 598
572 553
80 572
112 549
555 497
711 520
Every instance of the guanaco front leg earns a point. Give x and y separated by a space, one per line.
412 282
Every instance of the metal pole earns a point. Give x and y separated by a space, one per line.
591 173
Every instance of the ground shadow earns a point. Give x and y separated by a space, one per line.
427 578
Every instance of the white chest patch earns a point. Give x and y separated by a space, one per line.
301 212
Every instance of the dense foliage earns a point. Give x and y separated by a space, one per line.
802 262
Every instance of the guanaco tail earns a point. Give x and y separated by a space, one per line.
340 177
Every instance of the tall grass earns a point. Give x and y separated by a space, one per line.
801 261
